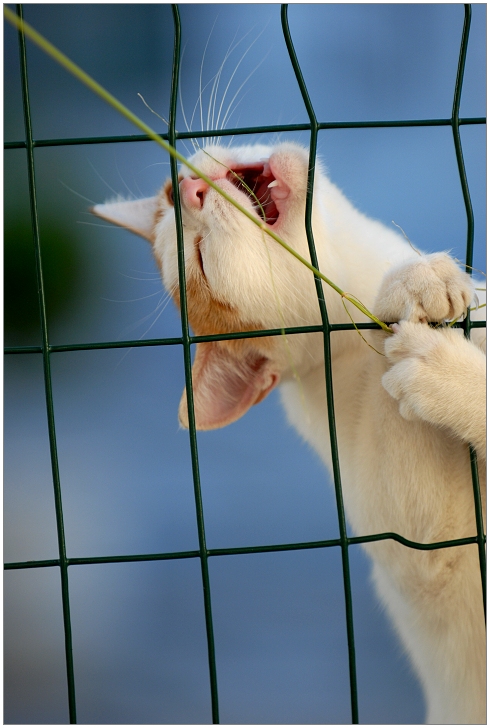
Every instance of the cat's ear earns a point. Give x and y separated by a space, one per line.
226 386
139 216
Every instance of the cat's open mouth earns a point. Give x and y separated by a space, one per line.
257 182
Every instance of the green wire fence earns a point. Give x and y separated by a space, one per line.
186 340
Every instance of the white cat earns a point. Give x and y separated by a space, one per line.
404 420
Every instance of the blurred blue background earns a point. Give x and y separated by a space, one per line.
138 629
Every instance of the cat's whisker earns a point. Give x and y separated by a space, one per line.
153 164
180 90
225 118
230 50
187 148
164 300
276 139
151 275
98 224
162 304
199 99
234 73
194 143
215 81
144 272
132 300
138 187
131 327
214 89
122 179
102 179
153 279
201 70
76 193
205 237
236 126
266 197
182 108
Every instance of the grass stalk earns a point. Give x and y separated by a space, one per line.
76 71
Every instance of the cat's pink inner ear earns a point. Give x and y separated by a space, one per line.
225 387
139 216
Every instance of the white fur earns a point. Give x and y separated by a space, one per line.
404 421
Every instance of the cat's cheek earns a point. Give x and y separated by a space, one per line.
289 162
167 263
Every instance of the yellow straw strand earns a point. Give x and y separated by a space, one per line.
76 71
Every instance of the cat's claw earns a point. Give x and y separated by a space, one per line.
430 288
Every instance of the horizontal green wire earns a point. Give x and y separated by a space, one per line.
137 343
352 541
173 341
247 130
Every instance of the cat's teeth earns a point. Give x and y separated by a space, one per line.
274 183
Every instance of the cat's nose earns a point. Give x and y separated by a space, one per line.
193 192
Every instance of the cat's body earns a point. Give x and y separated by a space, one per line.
403 421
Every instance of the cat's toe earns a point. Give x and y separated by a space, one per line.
453 291
410 340
393 384
398 382
460 294
407 411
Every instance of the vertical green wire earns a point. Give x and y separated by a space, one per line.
457 139
188 377
469 261
187 358
328 368
47 380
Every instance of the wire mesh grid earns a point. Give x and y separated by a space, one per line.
203 553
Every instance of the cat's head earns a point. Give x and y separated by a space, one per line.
237 277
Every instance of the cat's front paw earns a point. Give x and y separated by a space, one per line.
406 351
430 288
438 376
426 366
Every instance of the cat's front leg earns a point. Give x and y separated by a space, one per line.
438 376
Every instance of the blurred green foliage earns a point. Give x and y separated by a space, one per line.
61 265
